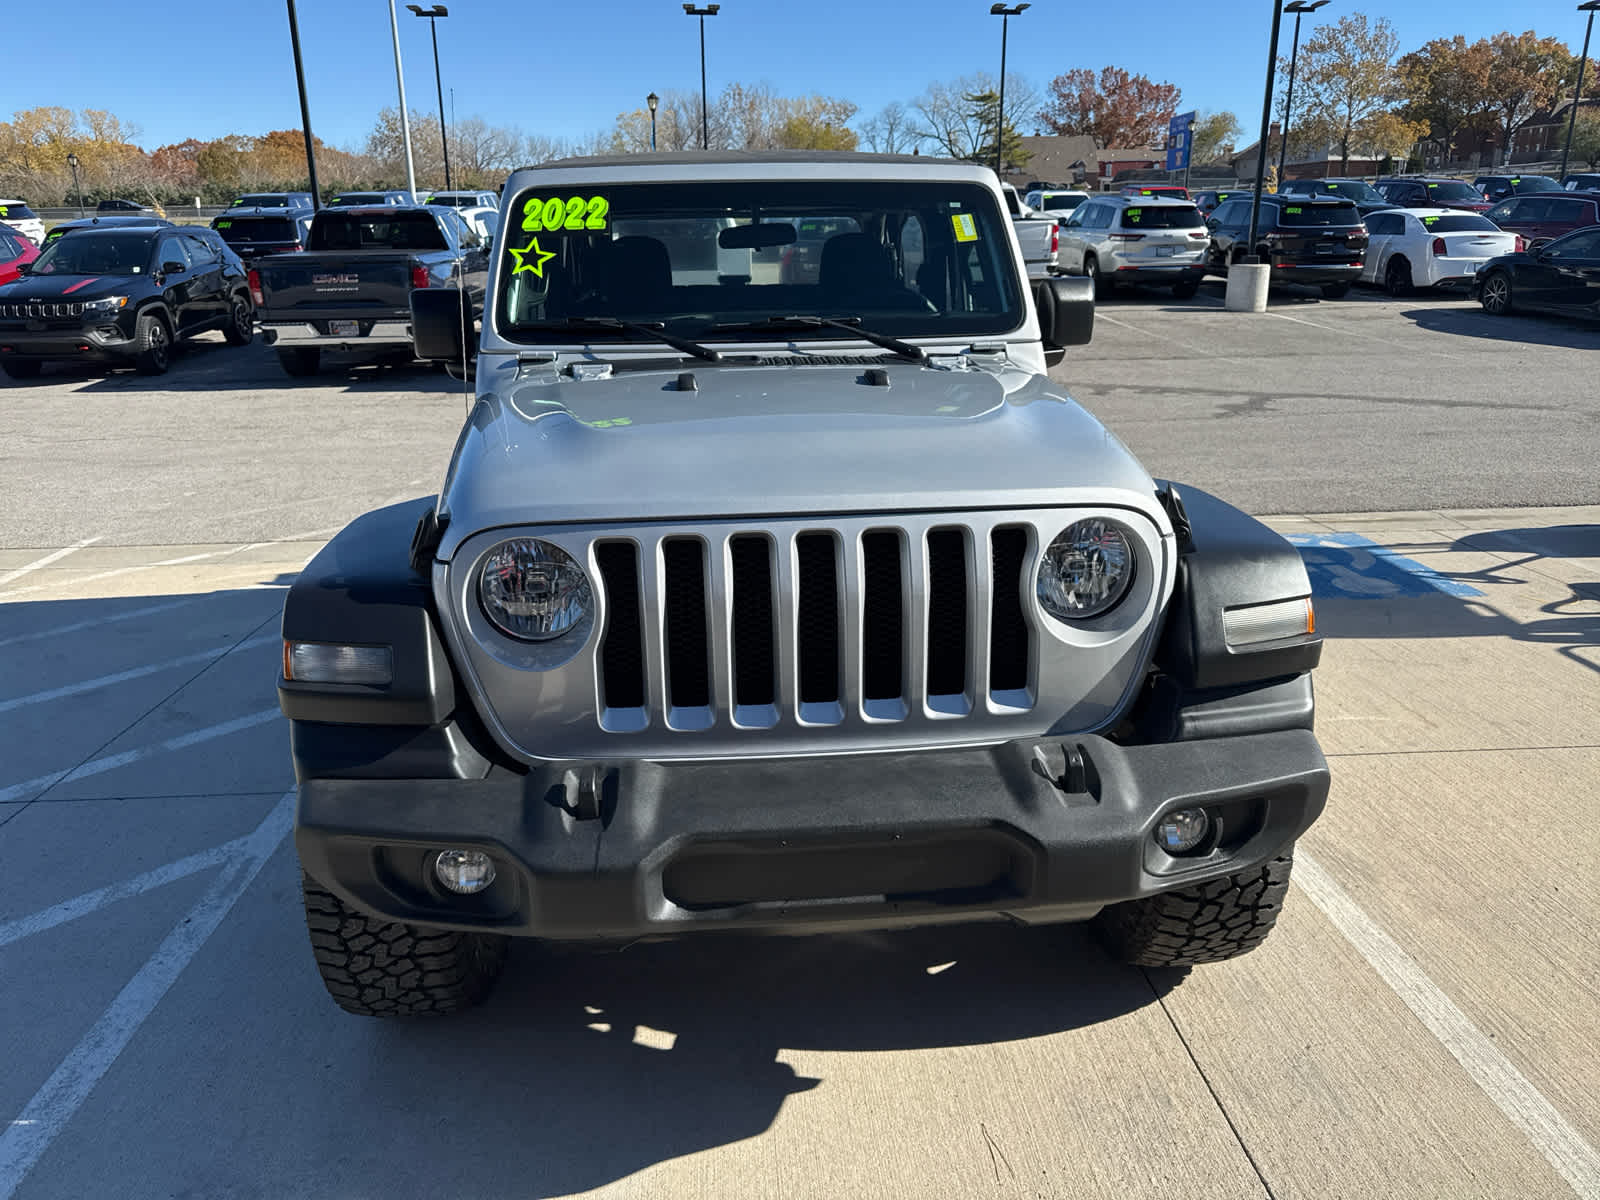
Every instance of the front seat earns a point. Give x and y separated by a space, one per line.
857 271
636 275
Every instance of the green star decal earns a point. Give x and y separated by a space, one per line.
538 255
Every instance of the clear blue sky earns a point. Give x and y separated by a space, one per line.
180 68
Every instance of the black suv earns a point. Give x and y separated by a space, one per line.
1496 188
1318 240
122 222
256 233
1422 192
1367 199
122 295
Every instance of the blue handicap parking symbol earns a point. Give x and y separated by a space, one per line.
1347 564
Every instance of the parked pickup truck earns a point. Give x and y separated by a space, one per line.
775 603
1038 234
351 288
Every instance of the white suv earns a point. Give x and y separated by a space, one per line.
1136 239
23 219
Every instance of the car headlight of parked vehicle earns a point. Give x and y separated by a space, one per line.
1086 570
107 306
533 590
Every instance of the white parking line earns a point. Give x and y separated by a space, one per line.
91 902
44 1116
93 622
57 556
30 788
1522 1103
89 685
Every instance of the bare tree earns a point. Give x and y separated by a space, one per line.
891 131
947 116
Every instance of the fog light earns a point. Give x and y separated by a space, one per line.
1183 830
464 871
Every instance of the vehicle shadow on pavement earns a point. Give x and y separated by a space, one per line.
663 1050
1522 328
1455 601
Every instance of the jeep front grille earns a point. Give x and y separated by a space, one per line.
41 311
900 637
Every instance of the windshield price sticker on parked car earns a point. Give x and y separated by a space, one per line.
224 224
1294 210
966 228
1134 215
577 214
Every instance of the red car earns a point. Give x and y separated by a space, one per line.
1540 216
14 251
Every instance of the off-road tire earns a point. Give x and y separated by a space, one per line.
153 345
1495 295
377 968
300 361
1397 278
1206 923
22 368
1185 291
240 325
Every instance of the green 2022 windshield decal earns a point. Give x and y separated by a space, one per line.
577 214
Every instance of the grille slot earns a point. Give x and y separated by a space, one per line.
947 612
622 651
882 617
754 629
1008 630
817 618
687 640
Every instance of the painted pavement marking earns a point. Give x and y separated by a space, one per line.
1347 564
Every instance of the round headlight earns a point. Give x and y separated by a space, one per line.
533 590
1086 570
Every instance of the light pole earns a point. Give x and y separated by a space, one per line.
1005 14
1266 130
652 100
305 109
1298 8
405 119
709 10
433 14
1577 96
72 161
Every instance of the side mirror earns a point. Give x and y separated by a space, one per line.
1066 312
25 268
441 325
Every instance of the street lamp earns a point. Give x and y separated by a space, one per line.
652 100
1005 14
1266 131
72 161
433 14
1577 96
709 10
1298 8
405 119
305 109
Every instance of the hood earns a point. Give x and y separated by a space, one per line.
771 440
59 288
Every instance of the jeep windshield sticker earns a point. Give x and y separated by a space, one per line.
531 257
1429 220
576 214
966 228
1294 210
224 224
1135 215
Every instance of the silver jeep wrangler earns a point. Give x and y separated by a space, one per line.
773 585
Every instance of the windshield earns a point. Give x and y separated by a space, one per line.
1163 216
396 229
1534 183
454 201
16 211
1349 189
262 200
907 258
1319 214
1062 201
1459 223
96 254
1454 191
352 198
238 230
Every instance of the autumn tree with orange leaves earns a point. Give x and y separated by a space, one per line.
1115 108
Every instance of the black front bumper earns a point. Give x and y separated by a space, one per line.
107 342
1036 830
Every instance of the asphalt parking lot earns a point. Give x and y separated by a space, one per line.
1421 1023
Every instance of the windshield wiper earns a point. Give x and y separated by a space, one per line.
653 329
905 349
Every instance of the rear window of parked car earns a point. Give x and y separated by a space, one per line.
1318 214
239 230
1166 216
1462 223
376 231
16 212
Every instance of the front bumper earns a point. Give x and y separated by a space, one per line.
107 342
1035 830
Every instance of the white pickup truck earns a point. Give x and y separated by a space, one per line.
1037 232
